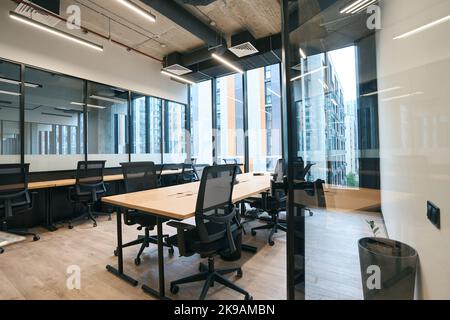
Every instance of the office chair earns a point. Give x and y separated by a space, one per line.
187 173
140 176
89 188
15 197
171 179
215 230
235 162
198 171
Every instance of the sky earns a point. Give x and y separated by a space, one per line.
345 65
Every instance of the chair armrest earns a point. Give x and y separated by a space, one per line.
180 225
181 235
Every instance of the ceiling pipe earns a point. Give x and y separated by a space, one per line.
179 15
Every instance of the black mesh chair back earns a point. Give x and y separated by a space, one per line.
215 206
139 176
14 192
188 172
89 179
198 170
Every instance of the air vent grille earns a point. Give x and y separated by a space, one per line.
243 49
40 16
177 69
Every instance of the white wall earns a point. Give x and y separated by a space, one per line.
415 135
114 66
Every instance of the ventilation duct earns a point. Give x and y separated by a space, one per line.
241 44
39 16
198 2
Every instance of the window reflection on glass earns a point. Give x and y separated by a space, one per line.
201 123
54 115
230 119
9 112
146 128
264 122
107 124
175 137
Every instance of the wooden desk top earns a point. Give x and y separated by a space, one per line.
178 202
71 182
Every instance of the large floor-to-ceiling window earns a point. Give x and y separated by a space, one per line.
229 133
10 148
264 121
175 132
201 123
146 135
54 120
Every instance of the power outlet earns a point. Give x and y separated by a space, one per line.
434 214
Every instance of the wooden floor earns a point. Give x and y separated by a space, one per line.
38 270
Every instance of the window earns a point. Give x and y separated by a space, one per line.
107 124
9 112
264 108
54 121
175 135
146 116
230 119
201 123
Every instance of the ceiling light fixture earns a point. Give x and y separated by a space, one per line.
357 6
309 73
142 12
10 93
107 99
404 96
324 85
302 53
30 85
89 105
275 93
56 32
380 91
227 63
177 77
363 6
351 6
423 28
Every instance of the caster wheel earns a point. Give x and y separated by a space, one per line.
253 233
271 243
36 238
116 253
137 261
248 297
171 252
95 225
239 273
174 289
2 250
109 219
311 214
70 227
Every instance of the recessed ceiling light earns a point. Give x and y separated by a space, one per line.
302 53
227 63
423 28
10 93
30 85
113 100
134 7
89 105
177 77
309 73
380 91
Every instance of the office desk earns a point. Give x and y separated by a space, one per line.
51 184
178 203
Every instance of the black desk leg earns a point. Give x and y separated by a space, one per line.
119 272
49 225
162 283
246 247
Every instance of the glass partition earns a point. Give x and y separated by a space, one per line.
201 123
264 122
175 135
10 148
230 119
54 121
107 124
146 116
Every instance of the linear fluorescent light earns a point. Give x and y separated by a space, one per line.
177 77
380 91
107 99
302 53
10 93
334 102
362 6
144 13
275 93
227 63
89 105
309 73
403 96
351 6
54 31
423 28
30 85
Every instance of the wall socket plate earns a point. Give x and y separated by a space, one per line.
434 214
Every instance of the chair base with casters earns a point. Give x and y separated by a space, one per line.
145 241
210 275
273 224
89 215
19 232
